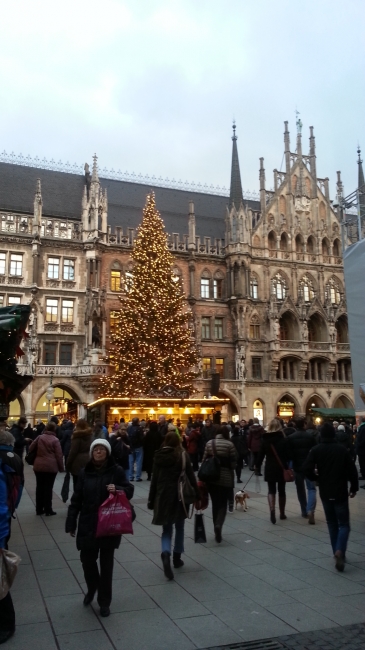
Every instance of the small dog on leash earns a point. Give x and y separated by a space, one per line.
241 498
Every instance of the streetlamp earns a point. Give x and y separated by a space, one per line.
49 394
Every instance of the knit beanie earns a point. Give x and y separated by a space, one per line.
327 431
103 443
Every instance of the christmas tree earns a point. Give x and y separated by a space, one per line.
152 345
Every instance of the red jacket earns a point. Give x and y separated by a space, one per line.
192 441
49 453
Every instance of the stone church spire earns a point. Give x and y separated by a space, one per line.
235 194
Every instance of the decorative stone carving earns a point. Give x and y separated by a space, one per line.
240 362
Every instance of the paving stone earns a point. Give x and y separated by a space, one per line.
301 617
175 601
41 543
51 559
205 630
95 640
68 613
28 605
58 582
36 636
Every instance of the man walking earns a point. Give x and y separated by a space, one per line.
360 447
299 445
332 467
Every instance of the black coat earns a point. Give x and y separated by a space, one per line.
19 436
360 440
273 471
206 435
152 442
240 442
90 493
335 468
66 431
163 496
120 450
299 445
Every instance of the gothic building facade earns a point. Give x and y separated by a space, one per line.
264 280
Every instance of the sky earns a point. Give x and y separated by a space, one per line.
152 86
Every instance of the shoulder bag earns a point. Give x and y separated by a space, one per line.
186 492
32 455
210 469
288 474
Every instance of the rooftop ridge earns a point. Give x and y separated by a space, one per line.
52 165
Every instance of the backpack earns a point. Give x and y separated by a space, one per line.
135 435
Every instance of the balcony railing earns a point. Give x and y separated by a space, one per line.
319 345
64 371
290 345
343 347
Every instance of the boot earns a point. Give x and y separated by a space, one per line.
271 500
282 502
177 561
165 557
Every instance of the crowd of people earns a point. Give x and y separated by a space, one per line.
103 462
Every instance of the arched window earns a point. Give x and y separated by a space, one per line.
322 210
256 241
254 287
218 285
299 244
255 328
205 284
306 290
332 292
310 244
325 246
272 240
284 242
115 277
279 287
337 248
282 205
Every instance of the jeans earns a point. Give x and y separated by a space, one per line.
194 459
301 481
166 537
220 497
44 491
239 468
136 456
95 581
338 522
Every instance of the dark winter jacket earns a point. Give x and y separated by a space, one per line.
316 435
344 437
332 467
13 469
206 435
66 431
49 453
240 442
299 445
163 496
39 428
152 442
79 452
120 450
255 434
273 471
192 441
360 440
226 452
90 493
19 436
136 436
162 429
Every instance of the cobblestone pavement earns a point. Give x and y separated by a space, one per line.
263 582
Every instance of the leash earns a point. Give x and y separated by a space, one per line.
248 480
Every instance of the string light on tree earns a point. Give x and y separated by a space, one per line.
151 345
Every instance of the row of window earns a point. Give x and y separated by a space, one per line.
53 308
210 365
15 264
207 328
57 268
58 354
11 301
211 291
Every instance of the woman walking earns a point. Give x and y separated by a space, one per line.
96 481
48 462
274 441
163 498
221 490
152 442
119 443
79 452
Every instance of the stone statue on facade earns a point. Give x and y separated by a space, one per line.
240 362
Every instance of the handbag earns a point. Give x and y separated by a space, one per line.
288 474
8 569
199 529
65 487
186 492
210 469
32 455
115 516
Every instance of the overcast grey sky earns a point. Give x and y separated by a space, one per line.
152 85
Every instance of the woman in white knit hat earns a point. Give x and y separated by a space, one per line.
96 481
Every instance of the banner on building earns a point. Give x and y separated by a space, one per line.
354 267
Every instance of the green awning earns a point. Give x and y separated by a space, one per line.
336 414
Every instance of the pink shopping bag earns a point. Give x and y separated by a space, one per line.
115 516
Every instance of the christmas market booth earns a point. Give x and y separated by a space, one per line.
169 401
